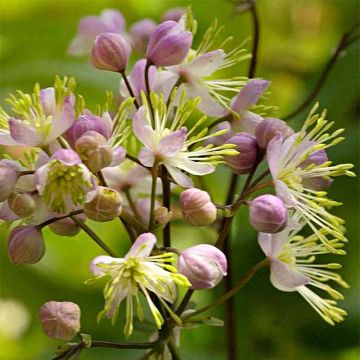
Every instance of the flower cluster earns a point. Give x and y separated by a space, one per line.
173 122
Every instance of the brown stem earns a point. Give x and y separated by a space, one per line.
135 160
50 221
128 85
147 86
167 204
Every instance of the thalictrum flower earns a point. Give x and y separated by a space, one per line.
138 272
292 171
294 268
167 141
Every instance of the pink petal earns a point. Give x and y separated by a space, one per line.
247 122
173 143
274 154
25 134
205 64
142 129
119 154
142 246
179 177
146 157
164 82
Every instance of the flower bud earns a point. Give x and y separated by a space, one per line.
8 178
168 44
270 127
246 145
204 266
104 206
197 207
174 14
162 215
110 52
268 214
23 205
67 227
26 245
60 320
140 33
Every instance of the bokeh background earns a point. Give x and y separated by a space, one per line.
297 38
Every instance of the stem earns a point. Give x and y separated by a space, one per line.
154 174
27 172
184 302
166 203
135 160
242 281
147 86
50 221
345 41
256 38
93 236
173 350
128 85
131 203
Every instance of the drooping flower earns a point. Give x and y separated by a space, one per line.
40 118
293 268
109 20
63 182
167 141
138 272
292 172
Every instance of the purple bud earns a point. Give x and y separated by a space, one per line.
105 205
8 178
268 214
110 52
204 266
26 245
174 14
67 227
168 44
23 205
140 33
60 320
246 145
85 123
197 207
270 127
67 156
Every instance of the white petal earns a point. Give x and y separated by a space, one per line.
192 167
274 154
205 64
171 144
142 246
146 157
179 177
103 259
142 128
283 192
247 122
265 243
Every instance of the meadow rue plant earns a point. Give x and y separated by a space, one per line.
137 159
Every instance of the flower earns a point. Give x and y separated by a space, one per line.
140 33
292 172
293 268
168 142
40 118
109 20
138 272
63 182
9 175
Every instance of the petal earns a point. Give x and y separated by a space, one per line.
173 143
7 140
283 192
179 177
119 154
247 122
249 95
164 82
142 128
205 64
103 259
24 134
265 243
192 167
142 246
273 155
146 157
6 214
284 278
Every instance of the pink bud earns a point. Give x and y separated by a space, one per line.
60 320
268 214
67 227
270 127
168 44
26 245
105 205
23 205
204 266
110 52
162 215
197 207
174 14
140 33
246 145
8 178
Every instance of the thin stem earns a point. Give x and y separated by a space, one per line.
345 41
154 173
93 236
256 39
52 220
147 86
131 203
184 302
128 85
135 160
27 172
173 350
240 283
166 203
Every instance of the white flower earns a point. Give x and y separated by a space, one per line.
293 268
138 272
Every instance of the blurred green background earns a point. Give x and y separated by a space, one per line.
297 38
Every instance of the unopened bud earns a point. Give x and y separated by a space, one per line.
174 14
105 205
26 245
140 33
162 215
270 127
110 52
197 207
60 320
23 205
204 266
8 178
67 227
246 145
168 44
268 214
